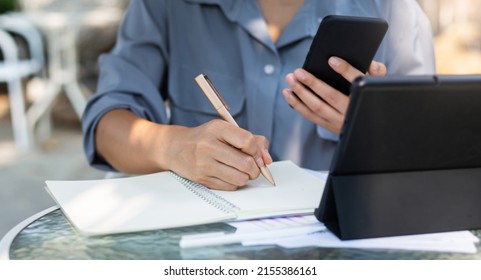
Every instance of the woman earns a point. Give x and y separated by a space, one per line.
251 50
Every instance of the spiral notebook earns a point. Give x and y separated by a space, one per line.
165 200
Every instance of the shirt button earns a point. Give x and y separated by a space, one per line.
269 69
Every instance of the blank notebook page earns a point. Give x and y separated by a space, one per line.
297 192
139 203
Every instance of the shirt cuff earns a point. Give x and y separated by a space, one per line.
326 134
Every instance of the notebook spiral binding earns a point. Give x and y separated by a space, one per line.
207 195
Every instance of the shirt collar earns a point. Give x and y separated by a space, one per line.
248 15
303 25
231 8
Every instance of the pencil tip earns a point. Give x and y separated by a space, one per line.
267 174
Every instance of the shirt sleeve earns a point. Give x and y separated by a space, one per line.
409 46
131 75
326 134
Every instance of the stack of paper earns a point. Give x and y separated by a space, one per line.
255 230
303 231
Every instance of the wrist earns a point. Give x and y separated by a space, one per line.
167 146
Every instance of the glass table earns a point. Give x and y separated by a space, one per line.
48 235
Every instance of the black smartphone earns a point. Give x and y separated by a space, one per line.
354 39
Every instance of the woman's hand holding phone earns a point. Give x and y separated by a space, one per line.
342 50
317 101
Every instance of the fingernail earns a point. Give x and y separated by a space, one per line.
267 154
300 74
334 61
375 66
260 162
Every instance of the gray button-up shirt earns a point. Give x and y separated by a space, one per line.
163 44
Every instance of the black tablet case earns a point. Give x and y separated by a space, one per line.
408 160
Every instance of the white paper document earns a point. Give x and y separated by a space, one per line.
458 242
305 231
259 229
455 242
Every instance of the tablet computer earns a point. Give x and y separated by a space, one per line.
411 123
408 160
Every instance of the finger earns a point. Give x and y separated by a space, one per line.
345 69
239 161
263 146
309 100
218 184
377 69
330 123
236 148
267 157
331 96
231 176
294 101
218 175
244 141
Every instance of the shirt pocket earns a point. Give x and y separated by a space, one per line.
191 107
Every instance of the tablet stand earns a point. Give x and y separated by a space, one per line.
401 203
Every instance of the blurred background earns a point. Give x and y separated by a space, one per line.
52 47
456 26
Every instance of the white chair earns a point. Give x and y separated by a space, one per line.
13 69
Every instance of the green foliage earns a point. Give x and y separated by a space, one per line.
7 5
